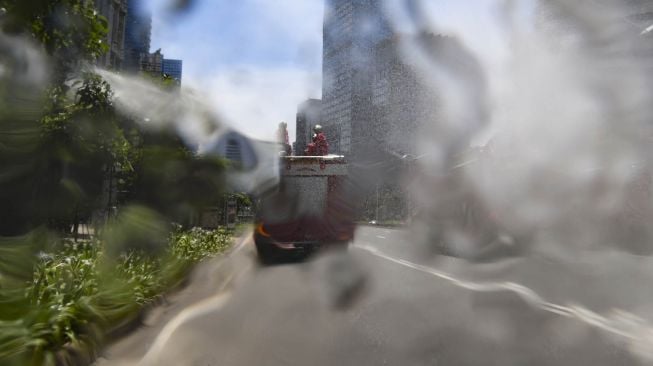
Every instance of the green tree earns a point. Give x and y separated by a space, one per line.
54 159
70 31
62 142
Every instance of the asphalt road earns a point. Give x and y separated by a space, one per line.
388 302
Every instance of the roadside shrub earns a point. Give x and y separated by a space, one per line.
197 244
77 294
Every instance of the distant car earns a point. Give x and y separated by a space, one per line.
373 222
310 209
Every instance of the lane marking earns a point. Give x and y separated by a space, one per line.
380 236
633 329
247 239
203 307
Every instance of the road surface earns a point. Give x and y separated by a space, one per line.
387 302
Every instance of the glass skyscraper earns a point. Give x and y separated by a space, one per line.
352 29
138 29
309 114
173 68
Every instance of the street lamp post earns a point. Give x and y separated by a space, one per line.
376 215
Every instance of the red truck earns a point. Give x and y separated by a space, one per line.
310 209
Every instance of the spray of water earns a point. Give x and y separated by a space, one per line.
197 120
565 175
563 108
181 110
628 329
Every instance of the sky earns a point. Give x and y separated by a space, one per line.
256 60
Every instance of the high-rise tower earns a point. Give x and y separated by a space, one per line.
173 68
352 28
138 31
115 12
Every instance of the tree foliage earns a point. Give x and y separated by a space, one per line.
68 155
70 31
83 156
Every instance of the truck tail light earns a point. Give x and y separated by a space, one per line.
261 230
344 236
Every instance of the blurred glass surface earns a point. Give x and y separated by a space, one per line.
486 196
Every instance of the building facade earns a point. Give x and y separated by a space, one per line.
152 63
173 68
138 29
115 12
401 103
618 34
636 18
309 114
374 102
350 32
619 19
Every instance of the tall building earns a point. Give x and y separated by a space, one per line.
636 16
618 33
152 63
309 114
173 68
115 12
351 30
138 29
373 101
401 103
618 18
641 12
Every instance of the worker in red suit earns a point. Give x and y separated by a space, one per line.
319 146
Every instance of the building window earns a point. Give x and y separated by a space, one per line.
381 87
233 152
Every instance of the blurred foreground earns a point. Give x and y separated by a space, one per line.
398 314
526 175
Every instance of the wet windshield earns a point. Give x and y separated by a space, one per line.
325 182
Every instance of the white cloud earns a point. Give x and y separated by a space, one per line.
297 19
255 67
254 99
252 31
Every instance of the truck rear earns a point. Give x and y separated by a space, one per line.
310 209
